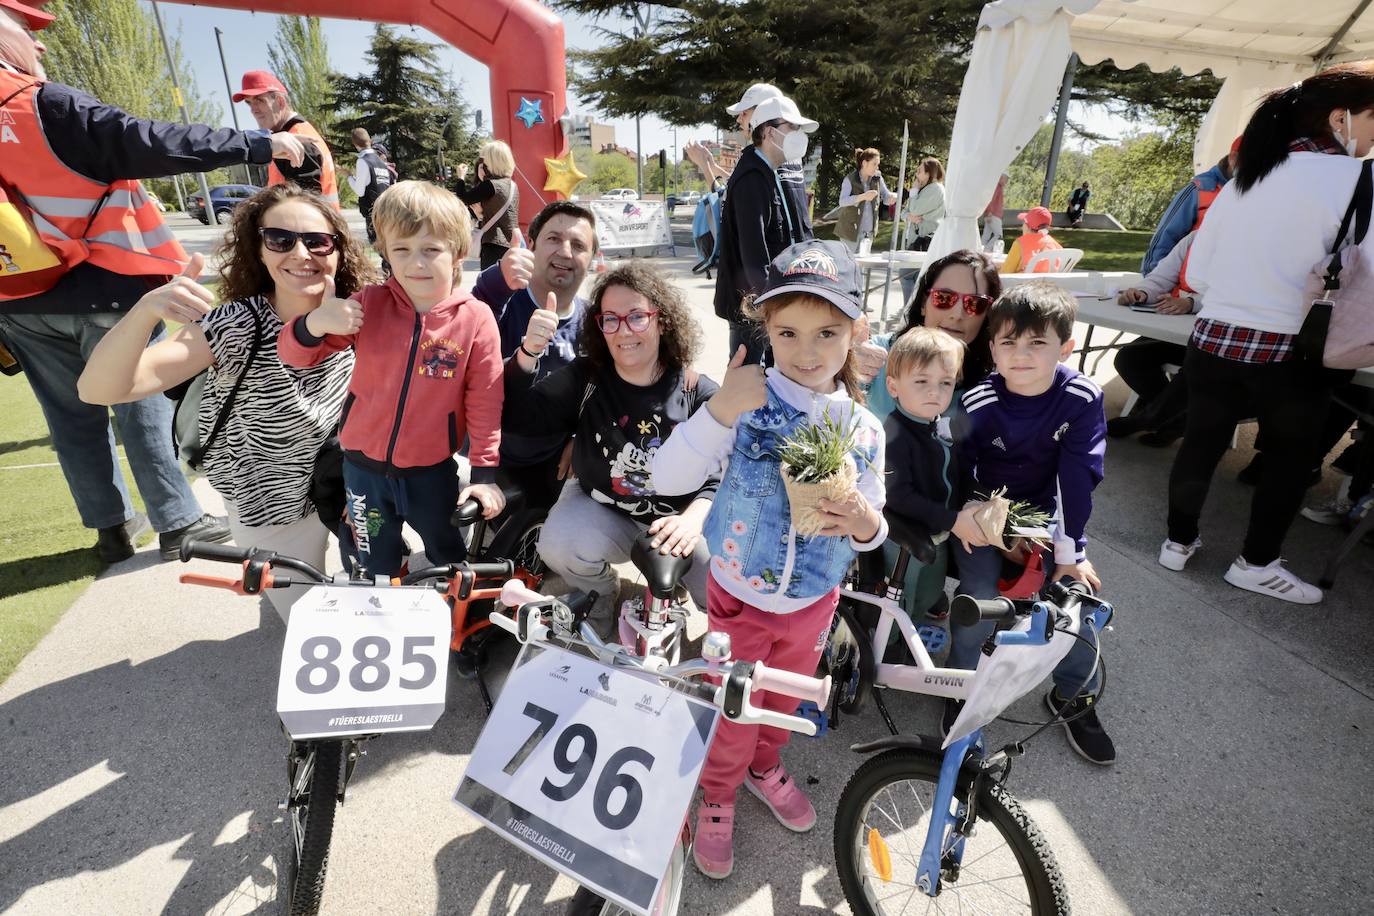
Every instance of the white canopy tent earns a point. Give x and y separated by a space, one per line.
1023 46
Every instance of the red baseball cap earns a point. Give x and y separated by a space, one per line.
1036 217
255 82
34 18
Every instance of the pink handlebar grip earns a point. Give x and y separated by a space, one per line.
515 593
792 684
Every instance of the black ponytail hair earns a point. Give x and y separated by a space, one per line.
1299 110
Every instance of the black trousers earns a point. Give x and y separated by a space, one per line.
1290 400
1140 364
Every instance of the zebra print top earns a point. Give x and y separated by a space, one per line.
263 458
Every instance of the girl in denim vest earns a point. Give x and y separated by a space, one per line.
771 589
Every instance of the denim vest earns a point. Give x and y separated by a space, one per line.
749 528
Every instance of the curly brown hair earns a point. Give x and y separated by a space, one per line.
243 272
679 338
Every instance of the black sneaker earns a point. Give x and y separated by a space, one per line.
116 543
951 712
1119 427
209 529
1086 734
1163 437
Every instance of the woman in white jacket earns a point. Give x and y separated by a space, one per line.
924 210
1298 165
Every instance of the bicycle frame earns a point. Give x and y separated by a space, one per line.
651 626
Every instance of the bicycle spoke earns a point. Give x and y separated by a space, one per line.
982 856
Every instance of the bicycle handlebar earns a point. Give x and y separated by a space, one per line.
202 551
498 570
965 610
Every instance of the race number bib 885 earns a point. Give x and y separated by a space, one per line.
362 660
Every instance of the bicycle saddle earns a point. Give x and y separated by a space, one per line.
660 572
909 533
470 510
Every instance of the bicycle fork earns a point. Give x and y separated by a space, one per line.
948 829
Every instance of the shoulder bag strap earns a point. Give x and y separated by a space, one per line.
233 392
482 233
1358 212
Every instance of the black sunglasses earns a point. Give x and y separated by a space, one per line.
283 240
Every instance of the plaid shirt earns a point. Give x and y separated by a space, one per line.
1248 345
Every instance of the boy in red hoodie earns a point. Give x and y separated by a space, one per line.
428 373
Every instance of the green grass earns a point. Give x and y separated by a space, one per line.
1102 249
45 556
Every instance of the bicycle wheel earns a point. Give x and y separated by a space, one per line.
587 902
880 827
314 795
518 541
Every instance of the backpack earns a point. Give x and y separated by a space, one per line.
1338 331
186 415
706 232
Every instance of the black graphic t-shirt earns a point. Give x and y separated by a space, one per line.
619 428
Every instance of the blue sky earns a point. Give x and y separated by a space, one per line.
246 36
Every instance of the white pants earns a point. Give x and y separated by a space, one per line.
305 540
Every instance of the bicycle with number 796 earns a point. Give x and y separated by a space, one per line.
362 656
540 619
905 823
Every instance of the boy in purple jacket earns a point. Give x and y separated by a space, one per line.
1037 428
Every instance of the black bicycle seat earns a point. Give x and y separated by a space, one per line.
470 511
911 534
662 573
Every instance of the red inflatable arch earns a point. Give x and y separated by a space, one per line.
520 41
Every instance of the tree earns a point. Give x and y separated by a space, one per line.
299 57
111 49
857 66
405 101
609 170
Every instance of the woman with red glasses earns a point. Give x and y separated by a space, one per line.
620 399
280 246
954 295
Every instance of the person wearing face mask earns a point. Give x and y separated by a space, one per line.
271 106
790 173
759 218
88 243
1299 163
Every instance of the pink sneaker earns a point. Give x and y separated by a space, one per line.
788 803
713 845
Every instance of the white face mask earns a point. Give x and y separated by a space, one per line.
1348 140
793 145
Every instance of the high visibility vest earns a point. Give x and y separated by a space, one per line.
329 188
1204 200
114 226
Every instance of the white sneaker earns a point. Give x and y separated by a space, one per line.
1334 512
1175 556
1272 580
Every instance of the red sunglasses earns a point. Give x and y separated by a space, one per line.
974 303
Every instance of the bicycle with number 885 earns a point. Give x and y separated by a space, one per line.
905 823
326 743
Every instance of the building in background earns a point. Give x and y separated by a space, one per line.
587 132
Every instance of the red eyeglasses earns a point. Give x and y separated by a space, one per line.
974 304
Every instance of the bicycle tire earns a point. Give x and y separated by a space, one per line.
587 902
1041 885
312 825
518 541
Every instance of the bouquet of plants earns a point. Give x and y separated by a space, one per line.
1004 520
816 465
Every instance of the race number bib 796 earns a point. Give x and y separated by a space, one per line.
589 769
362 660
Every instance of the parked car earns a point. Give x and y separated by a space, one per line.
689 198
621 194
224 198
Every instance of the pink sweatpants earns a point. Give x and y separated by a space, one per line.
793 642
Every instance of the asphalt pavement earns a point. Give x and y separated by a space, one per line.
142 759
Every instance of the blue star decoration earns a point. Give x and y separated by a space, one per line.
531 112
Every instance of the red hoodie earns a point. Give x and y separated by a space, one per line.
421 381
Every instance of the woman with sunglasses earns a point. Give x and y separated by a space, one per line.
280 246
954 295
621 400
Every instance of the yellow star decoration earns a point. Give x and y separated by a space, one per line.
644 428
563 175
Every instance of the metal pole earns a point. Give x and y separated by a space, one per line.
1060 118
229 90
181 201
899 223
642 19
181 104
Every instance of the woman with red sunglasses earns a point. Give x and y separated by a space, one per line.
280 246
954 295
